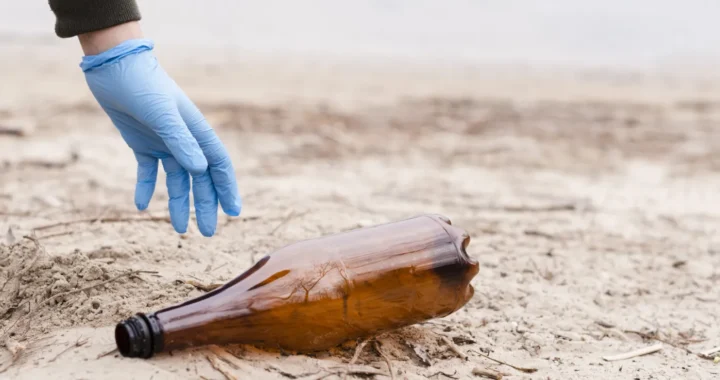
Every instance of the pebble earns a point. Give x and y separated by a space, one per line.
92 273
60 286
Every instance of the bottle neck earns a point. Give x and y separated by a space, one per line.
140 336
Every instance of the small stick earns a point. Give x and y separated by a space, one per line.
438 373
384 356
454 348
104 220
290 375
613 330
15 213
229 358
80 342
521 369
655 337
558 207
282 222
540 234
12 131
605 324
217 364
203 287
358 351
30 314
102 214
291 215
709 353
486 373
106 353
45 164
49 236
636 353
214 269
361 370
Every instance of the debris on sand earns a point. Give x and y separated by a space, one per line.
16 127
39 292
487 373
635 353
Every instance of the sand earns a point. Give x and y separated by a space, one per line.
591 200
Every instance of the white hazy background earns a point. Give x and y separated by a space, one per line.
609 33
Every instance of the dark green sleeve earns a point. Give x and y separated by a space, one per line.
73 17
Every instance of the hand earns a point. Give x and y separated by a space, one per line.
159 122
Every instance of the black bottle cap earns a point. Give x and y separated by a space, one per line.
139 336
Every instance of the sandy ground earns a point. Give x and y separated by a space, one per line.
592 201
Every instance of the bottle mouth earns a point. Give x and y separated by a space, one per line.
139 336
461 239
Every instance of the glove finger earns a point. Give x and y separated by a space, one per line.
221 170
223 176
220 166
146 178
165 120
178 185
206 203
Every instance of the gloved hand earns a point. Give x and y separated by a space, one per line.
158 121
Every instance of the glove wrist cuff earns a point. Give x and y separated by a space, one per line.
116 53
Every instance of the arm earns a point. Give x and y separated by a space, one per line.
153 115
75 17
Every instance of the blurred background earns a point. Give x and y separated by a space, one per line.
641 33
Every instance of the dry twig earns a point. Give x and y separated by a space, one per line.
49 236
104 220
235 361
635 353
203 287
612 330
358 351
291 215
290 375
709 353
438 373
217 364
106 353
539 234
8 130
360 370
454 348
521 369
80 342
550 208
487 373
15 213
605 324
48 164
384 356
420 353
656 337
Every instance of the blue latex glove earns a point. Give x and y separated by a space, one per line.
158 121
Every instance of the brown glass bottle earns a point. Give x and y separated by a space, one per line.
318 293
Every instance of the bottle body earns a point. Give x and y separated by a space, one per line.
319 293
